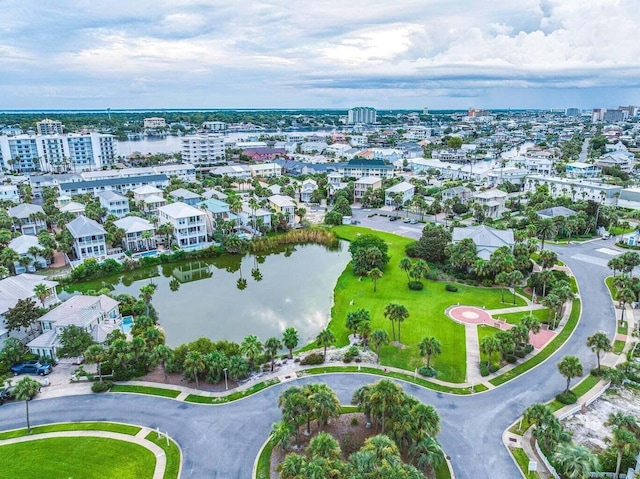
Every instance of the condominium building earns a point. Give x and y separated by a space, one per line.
214 125
189 224
155 122
49 127
362 114
203 149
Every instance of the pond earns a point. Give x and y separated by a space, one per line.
233 296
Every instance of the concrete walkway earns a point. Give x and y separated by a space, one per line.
161 458
473 354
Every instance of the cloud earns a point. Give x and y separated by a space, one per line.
259 52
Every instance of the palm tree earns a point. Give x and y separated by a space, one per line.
34 251
625 297
146 293
25 389
547 258
194 365
364 330
379 338
395 312
503 279
546 229
281 433
95 354
570 367
625 442
538 414
324 405
624 420
430 346
290 339
251 347
405 265
272 346
161 354
425 420
354 318
515 277
375 274
385 396
427 454
324 339
546 276
599 342
42 292
324 446
576 461
488 346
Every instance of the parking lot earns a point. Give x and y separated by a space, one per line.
382 223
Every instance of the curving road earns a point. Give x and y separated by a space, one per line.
222 441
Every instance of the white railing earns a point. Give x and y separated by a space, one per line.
551 469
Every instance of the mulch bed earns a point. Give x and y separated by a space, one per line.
157 376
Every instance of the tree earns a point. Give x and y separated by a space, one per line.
576 461
546 229
272 346
570 367
324 446
95 354
364 330
42 292
23 315
146 294
281 433
290 339
194 365
599 342
488 346
355 318
624 442
379 338
161 354
324 339
251 347
616 264
547 259
324 405
431 245
462 255
427 454
396 313
515 277
75 341
366 259
624 297
385 396
419 270
545 276
12 351
375 274
503 279
405 265
430 346
26 389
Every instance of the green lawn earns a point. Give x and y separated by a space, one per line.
196 398
74 426
541 315
426 309
127 388
523 462
263 470
618 346
174 456
484 332
612 290
85 457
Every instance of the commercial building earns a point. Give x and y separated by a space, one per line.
362 114
155 122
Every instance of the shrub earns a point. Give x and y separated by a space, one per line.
432 274
427 372
566 397
520 353
101 387
493 368
312 359
451 288
484 371
511 358
348 443
415 285
528 348
487 283
354 421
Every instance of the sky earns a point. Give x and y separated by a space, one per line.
404 54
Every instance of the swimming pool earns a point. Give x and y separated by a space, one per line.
126 324
146 253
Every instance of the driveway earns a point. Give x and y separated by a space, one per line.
222 441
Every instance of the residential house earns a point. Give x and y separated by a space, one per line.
406 190
139 233
311 147
364 184
74 208
97 315
22 245
285 205
19 287
30 218
242 172
618 159
217 211
186 196
115 204
492 201
486 239
121 185
189 224
88 238
462 193
578 169
266 170
143 192
306 190
151 204
513 175
260 215
10 193
358 167
555 212
264 154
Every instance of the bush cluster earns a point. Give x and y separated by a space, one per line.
451 288
567 397
353 353
101 387
312 359
427 372
415 285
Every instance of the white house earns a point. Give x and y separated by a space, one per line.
30 218
145 191
97 315
285 205
10 193
248 214
115 204
139 233
88 238
74 208
486 239
266 170
22 245
492 200
189 224
407 190
186 196
306 190
578 169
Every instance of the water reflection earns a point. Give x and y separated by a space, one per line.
218 299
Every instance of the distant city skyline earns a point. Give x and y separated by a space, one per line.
277 54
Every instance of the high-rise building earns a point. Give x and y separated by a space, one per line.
572 112
49 127
214 125
154 122
362 114
203 149
614 115
57 153
597 115
631 110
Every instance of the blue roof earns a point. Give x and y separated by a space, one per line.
113 182
215 206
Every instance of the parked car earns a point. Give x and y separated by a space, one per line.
414 222
6 394
31 367
405 220
393 218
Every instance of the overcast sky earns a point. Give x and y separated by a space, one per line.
387 54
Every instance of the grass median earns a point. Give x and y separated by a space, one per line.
198 399
152 391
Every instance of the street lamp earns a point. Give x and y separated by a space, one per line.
226 384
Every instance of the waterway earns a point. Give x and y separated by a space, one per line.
233 296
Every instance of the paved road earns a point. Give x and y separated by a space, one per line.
222 441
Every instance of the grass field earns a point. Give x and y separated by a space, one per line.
426 309
173 453
523 462
86 457
162 392
75 426
484 332
541 315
